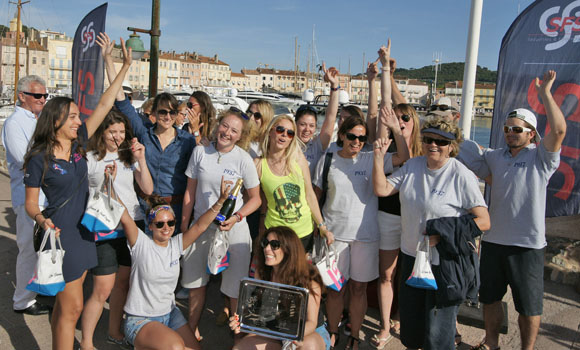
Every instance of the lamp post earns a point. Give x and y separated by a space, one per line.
155 33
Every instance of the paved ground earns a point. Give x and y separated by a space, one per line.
560 328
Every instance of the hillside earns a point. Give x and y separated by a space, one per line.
448 72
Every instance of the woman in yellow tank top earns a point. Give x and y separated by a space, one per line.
286 185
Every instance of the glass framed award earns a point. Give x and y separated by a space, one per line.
272 310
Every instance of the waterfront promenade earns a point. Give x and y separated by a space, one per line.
559 329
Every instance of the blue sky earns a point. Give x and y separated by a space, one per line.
246 33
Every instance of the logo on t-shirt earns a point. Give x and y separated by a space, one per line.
229 172
520 165
437 192
174 262
77 157
59 169
360 173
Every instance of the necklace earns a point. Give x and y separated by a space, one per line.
219 160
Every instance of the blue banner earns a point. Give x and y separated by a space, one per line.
545 36
87 63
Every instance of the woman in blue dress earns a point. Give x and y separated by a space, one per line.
56 163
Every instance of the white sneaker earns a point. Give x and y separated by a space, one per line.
182 294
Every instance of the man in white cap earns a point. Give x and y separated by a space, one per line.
513 249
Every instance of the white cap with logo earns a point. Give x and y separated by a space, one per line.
528 117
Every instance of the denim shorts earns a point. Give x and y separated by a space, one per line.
325 336
133 324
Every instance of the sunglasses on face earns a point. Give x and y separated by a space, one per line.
352 137
515 129
161 224
256 115
439 142
280 130
35 95
441 108
240 112
164 112
405 118
274 244
191 105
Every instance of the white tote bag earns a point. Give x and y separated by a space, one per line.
326 260
103 212
218 258
422 275
48 278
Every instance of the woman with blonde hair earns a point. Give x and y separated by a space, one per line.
285 182
261 113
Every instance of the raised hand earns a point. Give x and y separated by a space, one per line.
381 146
393 64
546 85
105 44
385 54
138 149
388 118
372 70
127 54
330 75
194 118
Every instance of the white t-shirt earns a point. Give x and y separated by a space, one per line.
313 153
154 275
123 182
351 207
425 194
255 150
205 168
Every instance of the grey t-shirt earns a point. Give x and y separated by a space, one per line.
313 153
425 194
351 207
154 275
518 195
207 166
471 155
255 150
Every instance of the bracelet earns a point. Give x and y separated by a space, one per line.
321 224
386 70
220 204
335 89
212 209
239 216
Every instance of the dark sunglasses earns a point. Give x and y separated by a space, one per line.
274 244
240 112
515 129
164 112
160 224
256 115
352 137
441 108
280 130
36 96
405 118
439 142
308 108
191 105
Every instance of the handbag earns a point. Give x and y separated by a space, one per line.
103 212
325 259
38 231
48 279
422 275
218 258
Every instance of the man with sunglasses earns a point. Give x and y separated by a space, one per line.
16 135
513 249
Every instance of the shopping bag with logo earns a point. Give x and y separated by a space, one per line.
326 260
103 212
48 279
218 258
422 275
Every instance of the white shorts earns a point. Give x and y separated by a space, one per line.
390 230
194 261
358 260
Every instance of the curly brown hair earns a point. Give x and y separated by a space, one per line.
447 126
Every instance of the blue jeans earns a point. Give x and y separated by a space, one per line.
133 324
423 325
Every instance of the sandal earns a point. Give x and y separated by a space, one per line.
380 343
350 342
336 338
395 326
483 346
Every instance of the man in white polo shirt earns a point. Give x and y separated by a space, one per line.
513 249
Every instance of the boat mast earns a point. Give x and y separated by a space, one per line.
17 60
295 63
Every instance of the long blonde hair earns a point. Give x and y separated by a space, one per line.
247 127
416 144
291 153
267 111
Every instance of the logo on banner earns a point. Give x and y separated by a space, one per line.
565 24
88 37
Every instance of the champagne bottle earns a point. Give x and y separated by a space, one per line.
229 204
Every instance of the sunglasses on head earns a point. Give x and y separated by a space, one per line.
280 130
439 142
308 108
160 224
274 244
352 137
441 108
164 112
515 129
35 95
405 118
240 112
256 115
191 105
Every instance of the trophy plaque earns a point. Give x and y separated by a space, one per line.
272 310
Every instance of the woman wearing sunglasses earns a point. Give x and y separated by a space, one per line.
168 148
226 157
431 186
153 320
261 113
56 162
350 211
201 116
280 258
113 148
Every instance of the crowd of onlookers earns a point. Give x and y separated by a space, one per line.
385 183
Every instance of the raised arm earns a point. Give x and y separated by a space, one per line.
389 119
327 129
553 139
381 186
373 107
108 98
142 175
106 51
396 94
384 55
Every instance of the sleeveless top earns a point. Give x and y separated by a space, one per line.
286 199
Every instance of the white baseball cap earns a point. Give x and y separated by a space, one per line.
527 116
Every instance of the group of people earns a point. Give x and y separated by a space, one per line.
387 183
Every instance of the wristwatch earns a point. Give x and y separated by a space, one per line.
196 133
